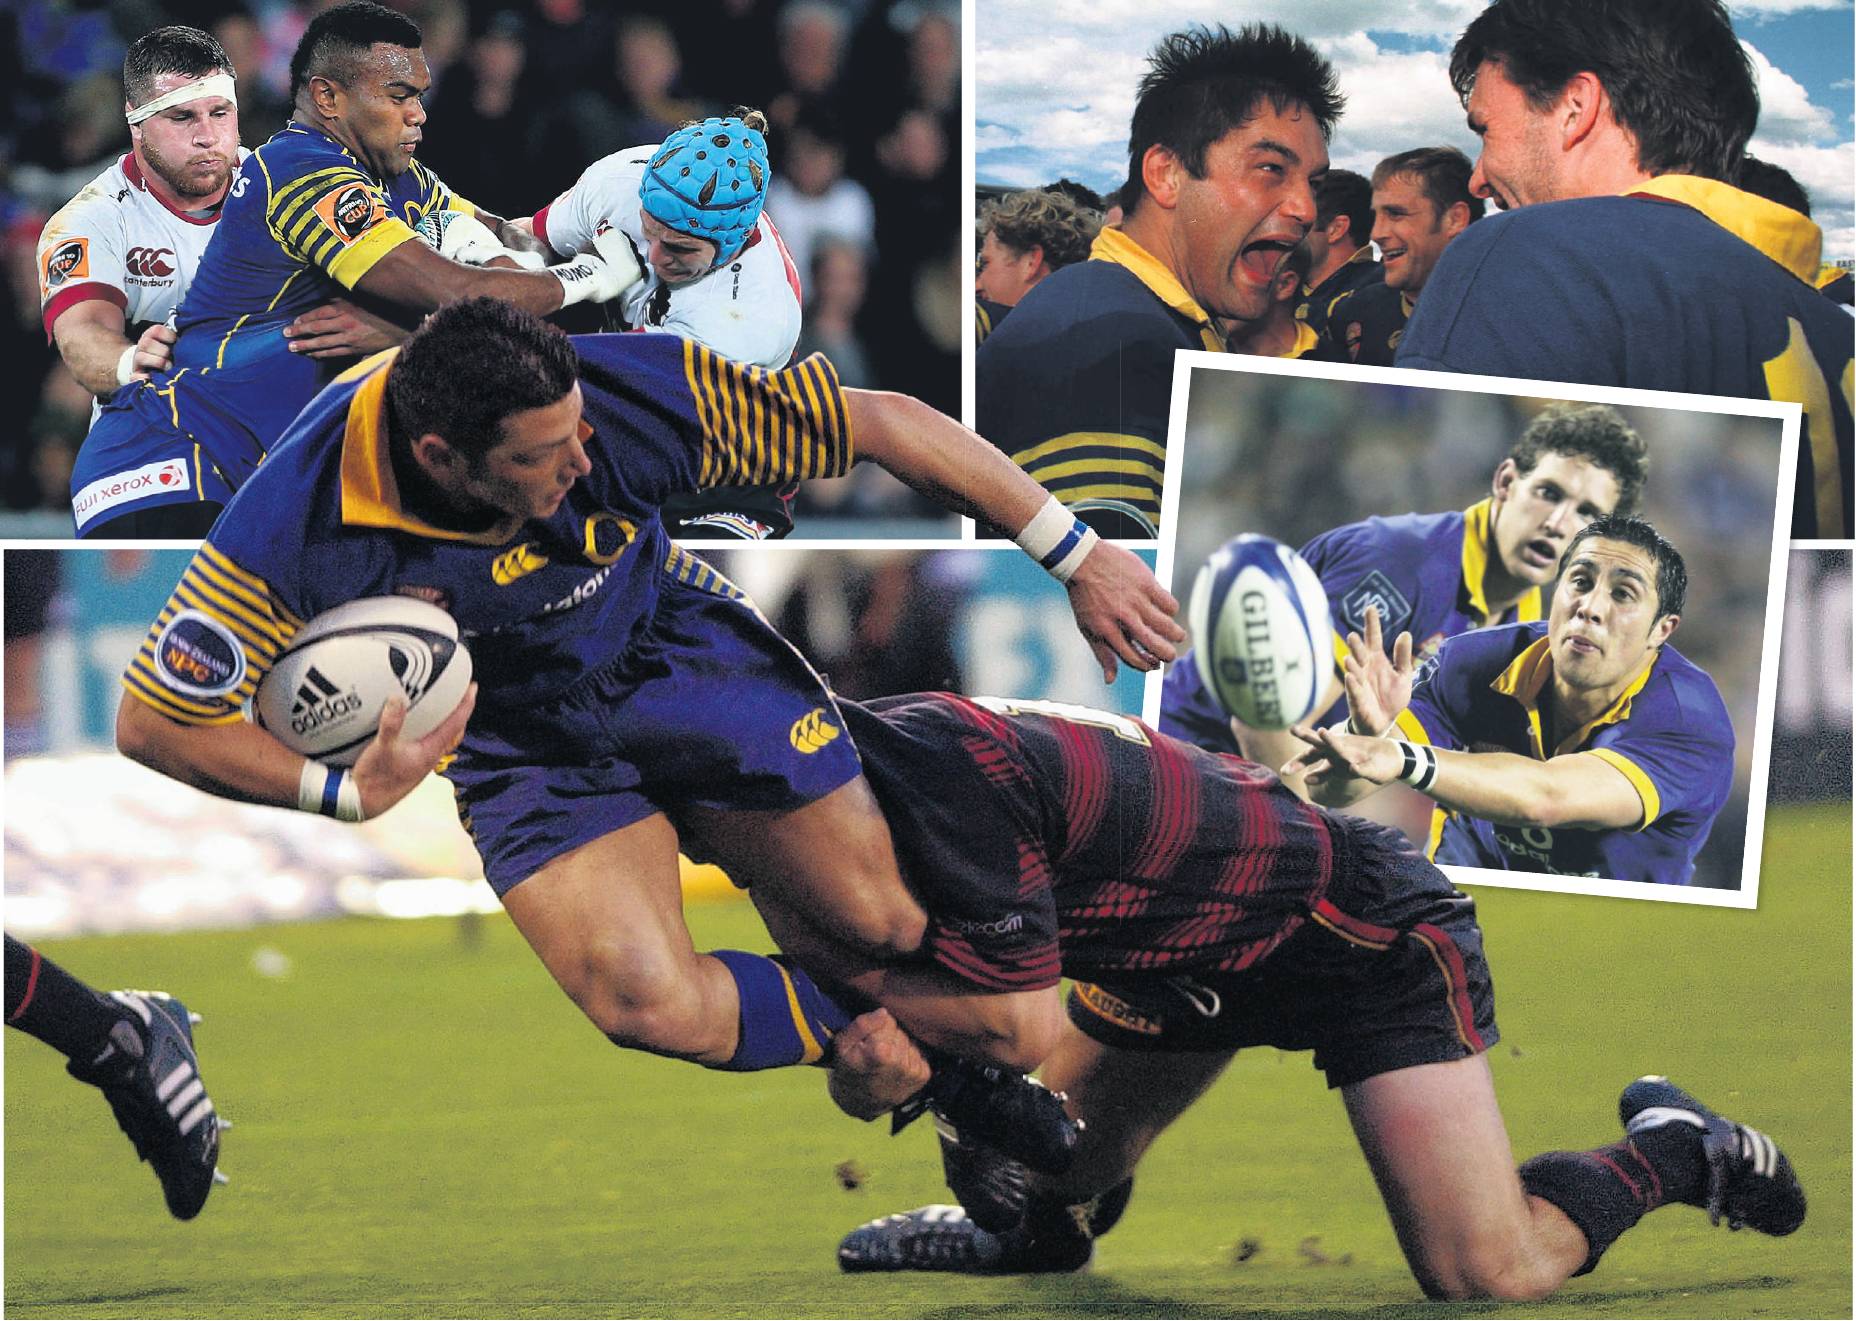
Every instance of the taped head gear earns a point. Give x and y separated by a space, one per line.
709 180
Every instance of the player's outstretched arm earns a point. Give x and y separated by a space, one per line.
416 277
245 763
1121 609
1575 791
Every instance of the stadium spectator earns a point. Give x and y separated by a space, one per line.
486 122
1023 237
137 1048
1341 255
1635 118
811 195
1229 129
812 39
834 300
1421 201
1616 752
1435 576
326 203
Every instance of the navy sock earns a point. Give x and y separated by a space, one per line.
785 1017
45 1001
1605 1192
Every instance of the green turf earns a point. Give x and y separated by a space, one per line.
426 1127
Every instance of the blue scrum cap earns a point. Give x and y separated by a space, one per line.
709 180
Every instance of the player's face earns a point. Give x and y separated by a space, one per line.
1005 274
676 257
1409 231
1235 226
192 146
540 458
1516 165
384 111
1537 513
1603 626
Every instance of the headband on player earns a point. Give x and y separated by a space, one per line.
214 84
709 181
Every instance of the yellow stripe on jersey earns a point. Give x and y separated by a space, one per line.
239 608
349 265
288 206
1076 439
767 426
1639 780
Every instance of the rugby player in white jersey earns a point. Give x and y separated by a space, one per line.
120 254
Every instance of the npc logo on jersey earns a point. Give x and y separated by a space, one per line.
350 211
197 655
65 263
1375 589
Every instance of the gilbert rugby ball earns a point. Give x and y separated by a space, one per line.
324 695
1260 632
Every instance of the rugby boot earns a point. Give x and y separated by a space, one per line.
944 1238
1017 1114
151 1077
984 1180
1749 1180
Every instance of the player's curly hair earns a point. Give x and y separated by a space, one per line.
337 39
1344 193
1442 172
1595 432
1203 82
176 49
1039 218
1678 78
1671 572
472 364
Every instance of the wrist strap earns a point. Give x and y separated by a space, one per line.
1057 539
1420 769
328 791
125 366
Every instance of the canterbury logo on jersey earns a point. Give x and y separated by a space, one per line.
517 563
812 731
149 262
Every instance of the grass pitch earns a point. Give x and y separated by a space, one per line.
425 1126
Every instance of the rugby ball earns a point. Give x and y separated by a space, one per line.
1260 632
455 232
324 695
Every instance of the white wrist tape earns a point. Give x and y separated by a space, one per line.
125 366
1420 769
329 791
1057 539
214 84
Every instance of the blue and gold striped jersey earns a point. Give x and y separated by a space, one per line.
1682 284
540 602
1365 325
1425 573
303 223
1668 733
1075 385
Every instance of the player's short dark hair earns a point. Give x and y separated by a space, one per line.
1775 183
1676 74
472 364
1671 573
1442 173
1344 193
1595 432
1038 218
178 49
1081 194
338 39
1202 82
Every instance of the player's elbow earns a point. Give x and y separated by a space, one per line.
139 731
1020 1029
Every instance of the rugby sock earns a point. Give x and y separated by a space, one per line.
47 1002
785 1017
1058 1235
1605 1192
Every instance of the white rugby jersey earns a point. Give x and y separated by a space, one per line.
118 240
747 309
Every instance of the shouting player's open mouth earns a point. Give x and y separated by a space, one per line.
1263 258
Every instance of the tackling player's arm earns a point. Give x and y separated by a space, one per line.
93 340
1120 607
1576 790
416 277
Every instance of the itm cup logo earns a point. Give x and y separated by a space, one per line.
350 211
66 262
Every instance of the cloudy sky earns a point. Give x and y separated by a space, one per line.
1055 85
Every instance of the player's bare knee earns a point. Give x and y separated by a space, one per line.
1484 1274
1020 1029
637 1000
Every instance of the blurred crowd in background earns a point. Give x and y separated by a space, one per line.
863 97
1293 457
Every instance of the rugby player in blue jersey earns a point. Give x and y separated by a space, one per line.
1613 133
1433 576
326 208
1615 752
514 477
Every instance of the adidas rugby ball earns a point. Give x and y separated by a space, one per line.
324 695
1260 632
